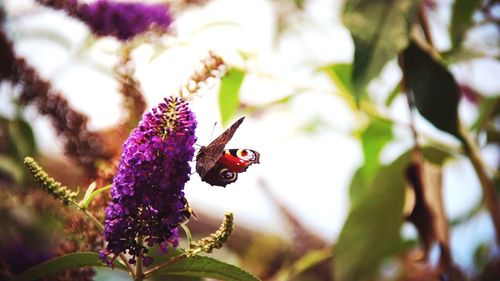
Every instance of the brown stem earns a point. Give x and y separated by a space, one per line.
424 23
489 194
139 275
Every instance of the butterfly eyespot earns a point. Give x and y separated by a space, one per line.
227 174
246 154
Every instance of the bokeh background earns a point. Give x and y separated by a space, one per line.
308 140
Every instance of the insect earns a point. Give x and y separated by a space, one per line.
219 166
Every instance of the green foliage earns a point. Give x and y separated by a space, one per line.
200 266
380 30
435 90
19 141
371 231
489 109
373 139
340 74
69 261
229 100
461 19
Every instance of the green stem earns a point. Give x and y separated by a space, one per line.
175 259
99 225
489 194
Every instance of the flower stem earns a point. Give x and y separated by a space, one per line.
99 225
489 194
175 259
139 275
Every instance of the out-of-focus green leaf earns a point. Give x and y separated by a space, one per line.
380 30
22 137
435 90
340 74
69 261
373 140
308 261
392 96
461 19
358 184
12 168
371 231
200 266
489 108
229 100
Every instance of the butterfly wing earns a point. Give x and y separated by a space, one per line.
208 155
227 167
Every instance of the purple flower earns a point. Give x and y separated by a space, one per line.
122 20
147 193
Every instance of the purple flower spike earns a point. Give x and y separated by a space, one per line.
147 193
121 19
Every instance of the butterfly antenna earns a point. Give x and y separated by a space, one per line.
212 133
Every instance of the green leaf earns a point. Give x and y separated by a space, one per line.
200 266
229 94
373 140
340 74
22 137
69 261
392 96
91 193
12 168
371 232
461 19
435 90
380 30
489 109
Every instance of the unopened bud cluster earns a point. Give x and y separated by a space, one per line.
215 240
53 187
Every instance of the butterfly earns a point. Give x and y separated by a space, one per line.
219 166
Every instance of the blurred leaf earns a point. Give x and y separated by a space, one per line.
371 231
435 90
380 30
308 261
428 215
373 140
200 266
12 168
461 19
340 74
22 137
69 261
358 184
481 255
229 94
392 96
489 108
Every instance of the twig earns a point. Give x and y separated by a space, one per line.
489 194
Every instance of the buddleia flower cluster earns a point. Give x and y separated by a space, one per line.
122 20
147 193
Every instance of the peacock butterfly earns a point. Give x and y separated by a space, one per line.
219 166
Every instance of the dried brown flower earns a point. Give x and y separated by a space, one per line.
212 68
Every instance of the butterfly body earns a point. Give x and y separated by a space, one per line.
219 166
